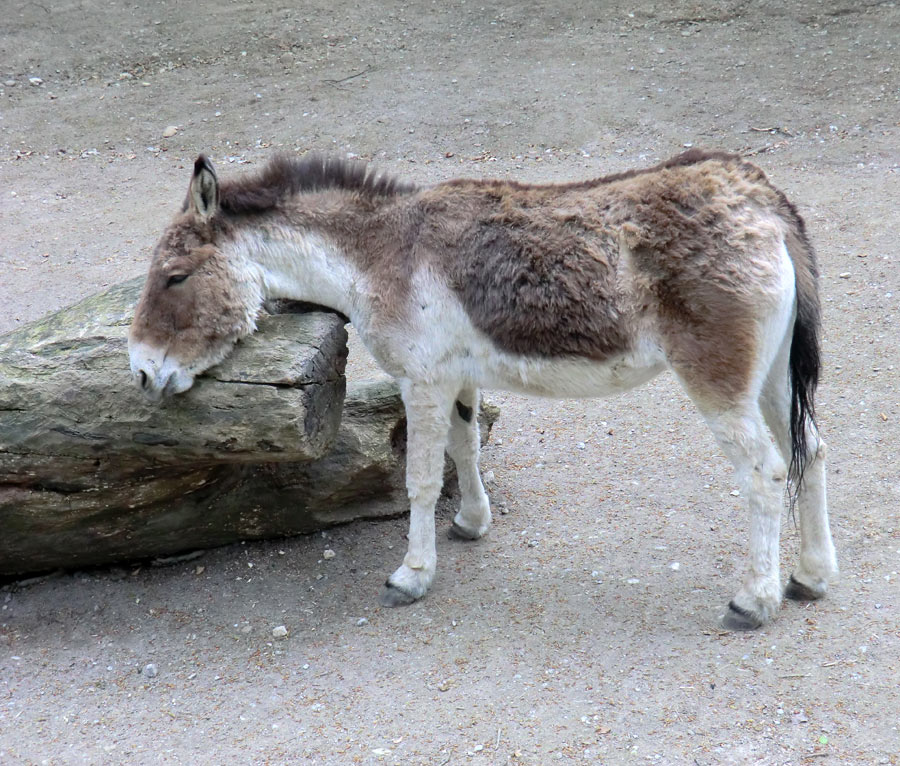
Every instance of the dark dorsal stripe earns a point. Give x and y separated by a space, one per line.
286 176
690 157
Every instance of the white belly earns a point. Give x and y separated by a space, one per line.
565 379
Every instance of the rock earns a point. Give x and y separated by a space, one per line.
92 474
170 131
150 670
36 81
280 632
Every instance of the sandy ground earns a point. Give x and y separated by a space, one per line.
568 634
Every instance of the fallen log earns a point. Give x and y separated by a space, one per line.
90 473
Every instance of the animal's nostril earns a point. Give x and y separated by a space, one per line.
143 379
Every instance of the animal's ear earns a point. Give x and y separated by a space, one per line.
203 196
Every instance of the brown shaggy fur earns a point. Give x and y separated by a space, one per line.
539 268
681 264
539 271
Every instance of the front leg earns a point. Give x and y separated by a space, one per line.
427 425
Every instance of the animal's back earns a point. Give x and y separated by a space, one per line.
576 270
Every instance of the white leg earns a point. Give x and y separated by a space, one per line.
474 516
427 423
818 562
761 474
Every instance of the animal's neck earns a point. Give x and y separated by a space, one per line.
300 265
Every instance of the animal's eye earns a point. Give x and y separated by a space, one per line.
176 279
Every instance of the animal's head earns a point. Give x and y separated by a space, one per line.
196 302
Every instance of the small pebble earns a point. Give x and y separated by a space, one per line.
9 83
675 566
35 81
488 477
170 131
361 621
150 670
328 554
580 445
280 632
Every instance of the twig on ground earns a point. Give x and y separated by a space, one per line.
350 77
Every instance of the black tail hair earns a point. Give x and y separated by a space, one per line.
804 360
804 368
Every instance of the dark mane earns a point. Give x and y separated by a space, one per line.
285 176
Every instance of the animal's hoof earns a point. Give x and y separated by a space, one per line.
797 591
737 618
456 532
392 596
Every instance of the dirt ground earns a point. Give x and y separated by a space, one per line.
582 629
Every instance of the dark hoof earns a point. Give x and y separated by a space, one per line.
456 532
392 596
739 619
797 591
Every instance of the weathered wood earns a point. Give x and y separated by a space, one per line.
90 473
162 510
66 392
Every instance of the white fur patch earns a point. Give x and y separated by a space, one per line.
442 344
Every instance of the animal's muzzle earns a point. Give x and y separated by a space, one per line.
150 387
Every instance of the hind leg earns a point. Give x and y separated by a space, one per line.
818 562
474 516
762 473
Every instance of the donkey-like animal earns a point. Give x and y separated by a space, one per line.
698 265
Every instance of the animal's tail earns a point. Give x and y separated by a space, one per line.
804 361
